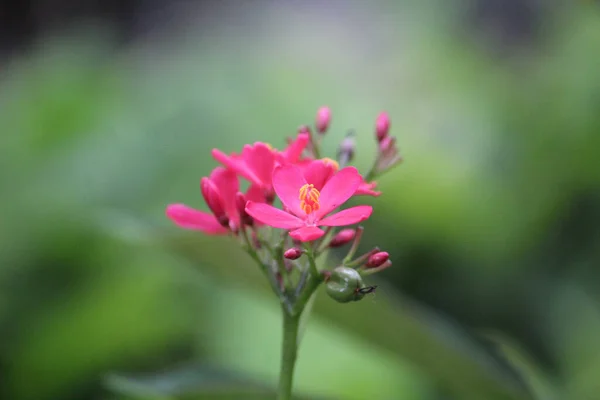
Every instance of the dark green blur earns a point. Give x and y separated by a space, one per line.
492 222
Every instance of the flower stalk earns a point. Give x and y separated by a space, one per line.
289 351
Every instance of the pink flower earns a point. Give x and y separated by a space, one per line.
256 162
320 171
219 191
308 207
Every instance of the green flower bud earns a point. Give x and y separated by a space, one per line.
344 285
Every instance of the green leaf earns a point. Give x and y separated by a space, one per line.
538 380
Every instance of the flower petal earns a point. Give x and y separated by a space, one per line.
287 181
293 152
226 182
348 216
272 216
318 172
366 188
256 194
307 233
338 189
235 163
260 159
189 218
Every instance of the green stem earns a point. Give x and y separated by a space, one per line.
312 263
266 269
315 146
312 283
371 175
289 350
291 322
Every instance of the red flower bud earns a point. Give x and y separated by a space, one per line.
377 259
214 201
382 126
293 253
342 237
240 203
323 119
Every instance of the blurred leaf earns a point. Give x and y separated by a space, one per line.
540 383
392 323
192 382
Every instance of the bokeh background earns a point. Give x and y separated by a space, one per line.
109 110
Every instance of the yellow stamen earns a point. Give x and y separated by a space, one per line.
309 198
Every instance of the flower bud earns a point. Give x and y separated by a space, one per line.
344 285
240 203
377 259
387 145
382 126
292 254
214 201
346 149
323 119
342 237
304 129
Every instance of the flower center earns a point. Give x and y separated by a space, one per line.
309 198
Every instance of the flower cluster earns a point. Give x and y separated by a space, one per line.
298 193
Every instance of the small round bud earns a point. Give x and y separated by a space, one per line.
343 237
382 126
323 119
344 285
292 254
377 259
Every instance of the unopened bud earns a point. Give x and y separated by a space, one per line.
214 201
377 259
343 237
304 129
388 155
293 253
346 150
387 145
323 119
240 203
382 126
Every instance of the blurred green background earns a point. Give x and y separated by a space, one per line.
493 220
